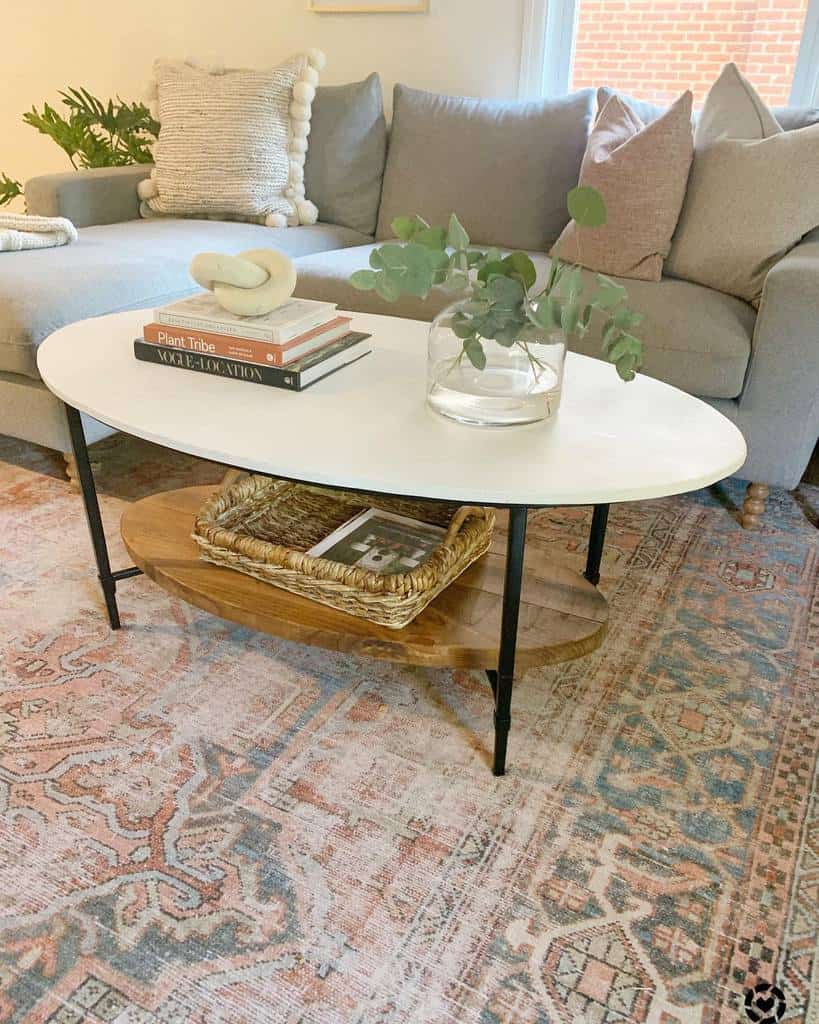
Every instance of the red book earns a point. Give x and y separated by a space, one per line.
243 349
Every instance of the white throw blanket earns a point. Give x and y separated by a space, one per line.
20 231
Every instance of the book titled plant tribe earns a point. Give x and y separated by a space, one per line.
201 312
247 350
295 376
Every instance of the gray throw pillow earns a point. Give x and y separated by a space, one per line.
793 118
345 160
789 118
503 167
647 112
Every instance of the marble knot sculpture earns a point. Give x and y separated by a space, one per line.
250 284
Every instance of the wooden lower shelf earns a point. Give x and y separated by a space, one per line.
562 616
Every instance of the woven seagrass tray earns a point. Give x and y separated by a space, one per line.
263 527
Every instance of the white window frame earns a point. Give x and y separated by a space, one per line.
547 52
805 89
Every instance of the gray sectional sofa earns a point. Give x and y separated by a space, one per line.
506 169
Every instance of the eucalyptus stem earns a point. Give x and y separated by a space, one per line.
500 304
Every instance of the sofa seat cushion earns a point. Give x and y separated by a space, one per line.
125 266
696 339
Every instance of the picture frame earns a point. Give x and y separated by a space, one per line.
368 6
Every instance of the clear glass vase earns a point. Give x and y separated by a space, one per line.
521 383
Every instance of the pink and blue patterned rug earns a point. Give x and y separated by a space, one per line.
202 825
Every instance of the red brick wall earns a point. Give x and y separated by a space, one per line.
654 49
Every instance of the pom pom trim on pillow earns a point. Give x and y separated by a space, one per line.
303 93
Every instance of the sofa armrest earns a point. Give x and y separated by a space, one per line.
779 405
104 195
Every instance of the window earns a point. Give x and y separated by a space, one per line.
654 49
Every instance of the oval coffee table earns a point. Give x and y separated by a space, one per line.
368 428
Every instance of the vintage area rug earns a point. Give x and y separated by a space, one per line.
202 825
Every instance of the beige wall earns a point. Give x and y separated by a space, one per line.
461 46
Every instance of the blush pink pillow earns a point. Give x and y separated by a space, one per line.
641 171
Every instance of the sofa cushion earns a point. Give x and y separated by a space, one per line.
344 167
125 266
696 339
642 171
751 196
232 142
504 168
790 118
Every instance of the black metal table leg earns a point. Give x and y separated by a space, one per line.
596 540
503 679
108 580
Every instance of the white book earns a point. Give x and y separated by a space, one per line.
201 312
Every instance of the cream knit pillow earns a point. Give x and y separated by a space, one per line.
232 142
752 193
641 171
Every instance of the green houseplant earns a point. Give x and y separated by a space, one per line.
496 355
92 134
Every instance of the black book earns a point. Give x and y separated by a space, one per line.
313 367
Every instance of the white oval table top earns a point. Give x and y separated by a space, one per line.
368 426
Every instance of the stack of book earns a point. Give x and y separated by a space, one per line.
298 344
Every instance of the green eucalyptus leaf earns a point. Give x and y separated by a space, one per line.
569 317
438 260
462 326
364 280
404 228
456 238
505 292
585 316
376 260
611 332
547 313
571 284
625 345
626 367
418 271
626 319
609 293
586 207
497 268
520 264
455 281
432 238
508 335
392 255
388 287
475 353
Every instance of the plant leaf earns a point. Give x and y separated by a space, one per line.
462 326
387 287
475 353
404 228
432 238
456 238
586 207
521 265
364 280
9 189
497 268
569 317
